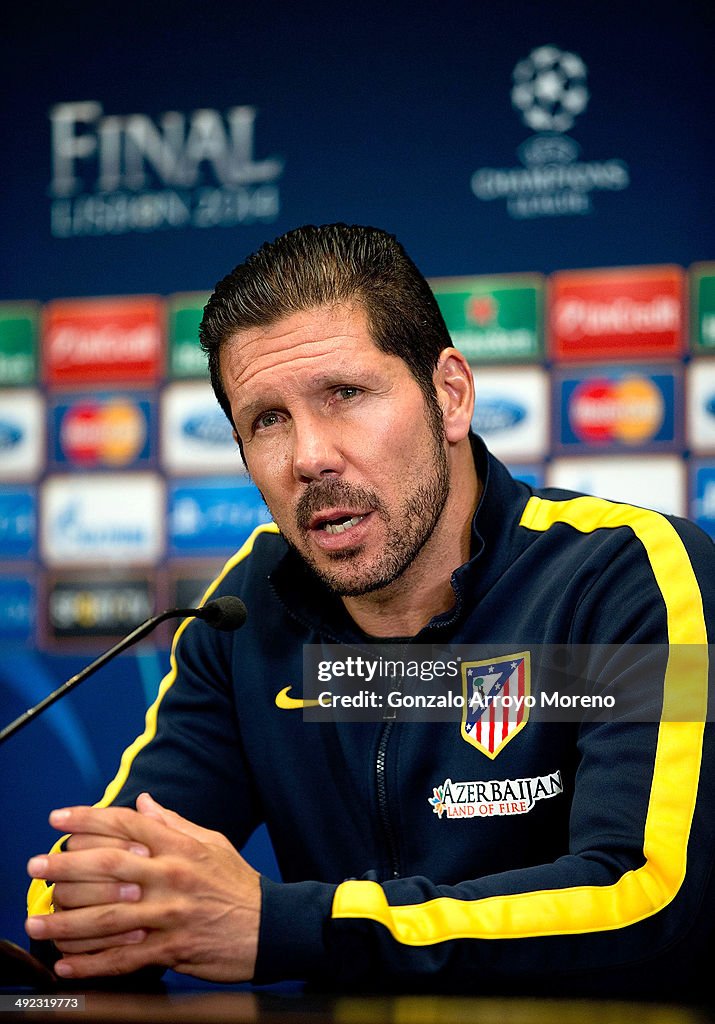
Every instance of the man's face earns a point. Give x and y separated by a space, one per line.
341 442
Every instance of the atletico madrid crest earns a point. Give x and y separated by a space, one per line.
497 696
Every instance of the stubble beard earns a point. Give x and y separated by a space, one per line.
408 530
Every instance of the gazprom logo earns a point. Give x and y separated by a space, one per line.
10 435
117 518
495 415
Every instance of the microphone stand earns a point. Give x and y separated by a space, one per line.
131 638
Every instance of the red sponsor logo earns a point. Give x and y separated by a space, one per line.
110 432
630 411
620 313
103 340
482 309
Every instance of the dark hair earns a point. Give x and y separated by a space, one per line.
326 265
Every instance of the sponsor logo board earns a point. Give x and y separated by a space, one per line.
493 318
700 405
97 606
117 519
511 411
702 307
18 600
102 431
18 343
196 436
616 409
616 313
651 481
103 340
189 581
213 515
18 522
702 495
22 434
186 357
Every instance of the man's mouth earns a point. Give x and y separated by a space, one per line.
336 521
341 525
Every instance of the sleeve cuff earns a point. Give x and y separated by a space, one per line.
291 942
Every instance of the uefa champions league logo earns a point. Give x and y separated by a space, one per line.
550 89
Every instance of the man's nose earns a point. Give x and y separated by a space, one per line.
316 451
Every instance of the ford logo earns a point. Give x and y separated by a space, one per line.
493 415
208 427
10 435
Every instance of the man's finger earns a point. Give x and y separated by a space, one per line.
70 946
88 922
110 962
117 822
89 841
68 895
104 864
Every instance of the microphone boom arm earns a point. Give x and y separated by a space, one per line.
209 612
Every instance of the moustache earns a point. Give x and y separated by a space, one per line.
331 493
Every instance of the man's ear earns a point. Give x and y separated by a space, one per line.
454 385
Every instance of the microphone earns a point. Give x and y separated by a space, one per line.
225 613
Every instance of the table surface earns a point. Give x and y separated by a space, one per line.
262 1007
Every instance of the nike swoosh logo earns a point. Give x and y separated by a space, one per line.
287 703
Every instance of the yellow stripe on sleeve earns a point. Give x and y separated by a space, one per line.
637 894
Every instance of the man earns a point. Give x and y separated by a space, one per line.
584 865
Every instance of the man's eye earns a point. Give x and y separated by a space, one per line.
347 391
266 419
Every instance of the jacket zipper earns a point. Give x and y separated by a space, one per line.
381 780
387 829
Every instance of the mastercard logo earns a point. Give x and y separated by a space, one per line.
108 433
629 410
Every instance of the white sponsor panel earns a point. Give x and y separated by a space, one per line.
650 481
22 434
700 405
112 519
196 436
511 411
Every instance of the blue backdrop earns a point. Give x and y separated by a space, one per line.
401 115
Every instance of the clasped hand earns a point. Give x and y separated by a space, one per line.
147 887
